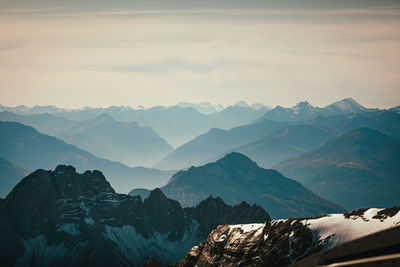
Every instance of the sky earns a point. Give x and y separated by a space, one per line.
101 53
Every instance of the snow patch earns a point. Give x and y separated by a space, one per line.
69 228
245 228
89 221
39 252
335 229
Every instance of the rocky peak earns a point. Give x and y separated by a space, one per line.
215 204
171 212
347 105
241 212
71 184
303 107
235 159
213 211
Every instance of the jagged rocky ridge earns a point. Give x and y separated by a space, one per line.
282 242
62 218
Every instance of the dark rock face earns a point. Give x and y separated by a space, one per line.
64 218
213 211
170 210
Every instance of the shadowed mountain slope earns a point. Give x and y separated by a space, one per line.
358 169
32 150
235 178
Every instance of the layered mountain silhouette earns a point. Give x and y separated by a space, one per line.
285 143
214 144
235 178
257 139
121 141
33 150
10 175
358 169
177 124
44 123
102 136
63 218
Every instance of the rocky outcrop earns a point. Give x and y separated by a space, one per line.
272 244
283 242
62 218
214 211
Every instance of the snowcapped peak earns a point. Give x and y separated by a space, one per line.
347 105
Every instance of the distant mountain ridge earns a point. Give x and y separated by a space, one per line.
304 111
177 124
33 150
60 217
103 136
203 107
358 169
126 142
235 178
286 142
256 140
215 143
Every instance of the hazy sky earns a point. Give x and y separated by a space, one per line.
101 53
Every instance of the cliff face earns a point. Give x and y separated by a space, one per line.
62 217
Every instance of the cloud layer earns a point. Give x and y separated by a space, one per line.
148 56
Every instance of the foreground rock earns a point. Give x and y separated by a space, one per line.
282 242
62 218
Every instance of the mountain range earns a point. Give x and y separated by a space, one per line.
33 150
126 142
235 178
268 141
304 111
63 218
103 136
358 169
285 143
215 143
253 163
177 124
